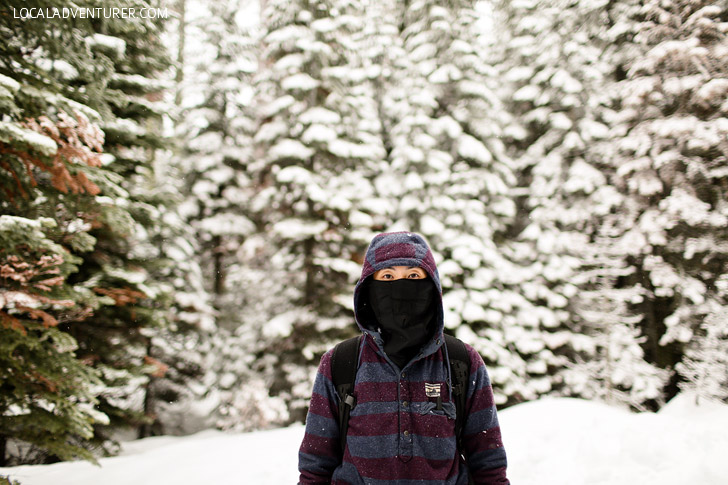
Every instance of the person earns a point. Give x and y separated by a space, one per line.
402 429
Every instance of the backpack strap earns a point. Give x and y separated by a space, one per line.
460 367
344 362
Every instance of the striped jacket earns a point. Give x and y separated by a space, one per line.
398 434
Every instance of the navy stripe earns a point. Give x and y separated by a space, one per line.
494 458
383 446
387 446
375 407
480 421
451 481
322 384
376 372
317 464
478 380
435 448
321 426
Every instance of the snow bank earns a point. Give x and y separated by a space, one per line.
559 441
549 442
209 457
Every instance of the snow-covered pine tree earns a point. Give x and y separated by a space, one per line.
550 53
126 268
705 365
215 126
317 145
449 178
668 153
68 208
47 395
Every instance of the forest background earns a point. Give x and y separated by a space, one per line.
186 199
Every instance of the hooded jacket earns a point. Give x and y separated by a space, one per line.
397 434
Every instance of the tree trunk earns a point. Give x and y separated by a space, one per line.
3 447
308 266
219 267
147 428
179 74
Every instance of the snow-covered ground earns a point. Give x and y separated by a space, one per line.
549 442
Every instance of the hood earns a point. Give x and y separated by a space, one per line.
396 249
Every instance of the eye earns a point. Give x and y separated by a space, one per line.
387 276
414 276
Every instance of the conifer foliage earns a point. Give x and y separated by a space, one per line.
315 146
556 77
668 154
75 298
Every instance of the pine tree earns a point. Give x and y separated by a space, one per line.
127 262
215 126
316 148
551 58
62 82
51 174
667 153
705 365
451 178
48 395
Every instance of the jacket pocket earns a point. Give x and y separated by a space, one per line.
430 408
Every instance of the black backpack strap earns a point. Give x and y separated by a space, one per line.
460 367
344 362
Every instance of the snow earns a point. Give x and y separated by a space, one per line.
300 81
115 44
221 224
473 149
320 115
551 441
63 69
319 134
12 132
290 149
142 82
9 83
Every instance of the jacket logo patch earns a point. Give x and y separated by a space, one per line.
432 390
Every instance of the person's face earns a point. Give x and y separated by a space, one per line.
399 272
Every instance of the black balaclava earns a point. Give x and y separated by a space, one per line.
405 313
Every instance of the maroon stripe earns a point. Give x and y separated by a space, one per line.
367 268
370 355
318 445
434 426
482 399
376 391
373 425
429 425
415 468
396 250
489 439
416 391
429 260
409 391
321 406
325 366
490 475
476 362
